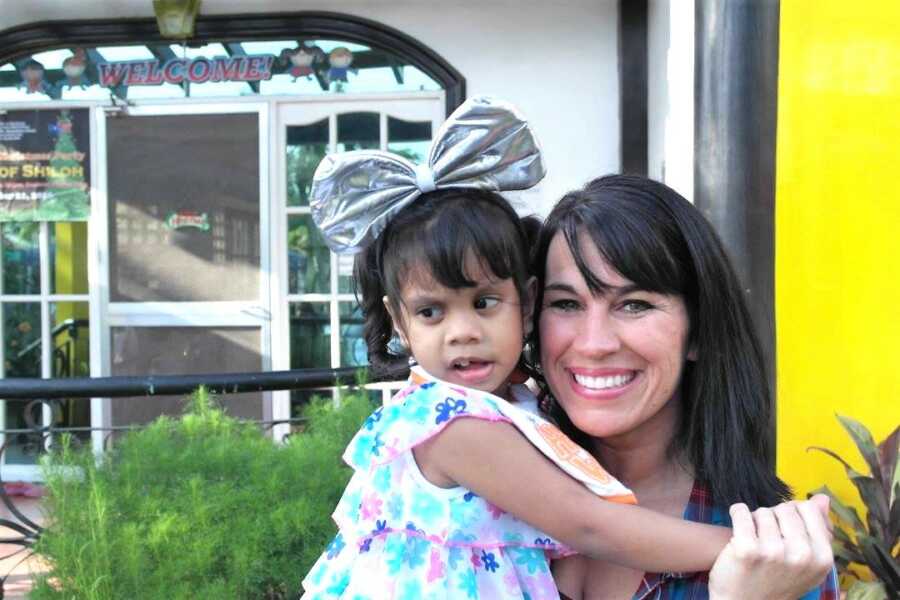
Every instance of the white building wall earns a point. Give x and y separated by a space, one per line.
556 60
670 94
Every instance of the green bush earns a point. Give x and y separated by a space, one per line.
202 506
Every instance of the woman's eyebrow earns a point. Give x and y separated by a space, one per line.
559 287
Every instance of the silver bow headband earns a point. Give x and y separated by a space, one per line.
485 144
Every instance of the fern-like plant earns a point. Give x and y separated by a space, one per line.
201 506
874 544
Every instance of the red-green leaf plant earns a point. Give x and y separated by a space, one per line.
873 544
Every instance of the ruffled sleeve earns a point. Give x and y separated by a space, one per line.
415 415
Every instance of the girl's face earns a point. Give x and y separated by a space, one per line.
468 336
613 360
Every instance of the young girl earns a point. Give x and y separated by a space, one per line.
459 489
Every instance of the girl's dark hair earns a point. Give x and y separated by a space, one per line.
654 237
437 231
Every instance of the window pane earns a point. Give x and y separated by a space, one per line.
358 131
142 351
68 258
21 258
187 229
345 273
309 259
70 334
306 145
310 335
353 342
409 139
22 339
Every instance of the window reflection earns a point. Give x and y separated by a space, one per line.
21 262
22 339
309 260
306 146
68 258
409 139
358 131
310 335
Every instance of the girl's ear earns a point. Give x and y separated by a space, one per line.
528 305
395 321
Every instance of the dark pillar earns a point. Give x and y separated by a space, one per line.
736 89
633 85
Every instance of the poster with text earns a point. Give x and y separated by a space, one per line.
45 165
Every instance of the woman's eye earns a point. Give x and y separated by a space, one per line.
564 304
636 306
486 302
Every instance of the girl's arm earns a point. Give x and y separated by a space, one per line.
498 463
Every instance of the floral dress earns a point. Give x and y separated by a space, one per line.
401 537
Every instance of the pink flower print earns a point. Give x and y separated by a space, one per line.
393 448
476 560
436 570
545 588
496 512
512 581
371 506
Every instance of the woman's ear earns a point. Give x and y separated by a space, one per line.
396 322
528 306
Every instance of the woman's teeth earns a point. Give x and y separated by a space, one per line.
603 383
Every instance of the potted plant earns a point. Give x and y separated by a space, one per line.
872 544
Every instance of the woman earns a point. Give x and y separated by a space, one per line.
650 361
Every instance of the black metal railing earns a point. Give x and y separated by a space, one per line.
39 395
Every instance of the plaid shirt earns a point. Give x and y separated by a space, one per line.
693 586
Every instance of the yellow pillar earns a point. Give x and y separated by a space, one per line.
837 232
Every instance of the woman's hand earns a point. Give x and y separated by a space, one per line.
775 553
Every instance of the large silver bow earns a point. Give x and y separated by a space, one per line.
484 144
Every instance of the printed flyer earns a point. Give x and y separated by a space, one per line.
45 165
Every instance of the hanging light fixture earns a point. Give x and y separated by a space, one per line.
176 17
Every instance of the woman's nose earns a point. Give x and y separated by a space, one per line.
597 336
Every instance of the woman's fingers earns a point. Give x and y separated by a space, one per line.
794 534
819 530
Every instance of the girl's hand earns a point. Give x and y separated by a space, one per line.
775 553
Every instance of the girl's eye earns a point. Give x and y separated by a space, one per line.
564 304
429 313
486 302
636 306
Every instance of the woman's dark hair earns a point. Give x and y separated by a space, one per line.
655 238
437 231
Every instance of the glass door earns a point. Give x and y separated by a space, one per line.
187 209
319 322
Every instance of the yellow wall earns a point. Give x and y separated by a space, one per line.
837 232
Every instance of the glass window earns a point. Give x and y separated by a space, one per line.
409 139
21 261
358 131
310 335
309 260
22 339
70 336
306 146
353 342
68 258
